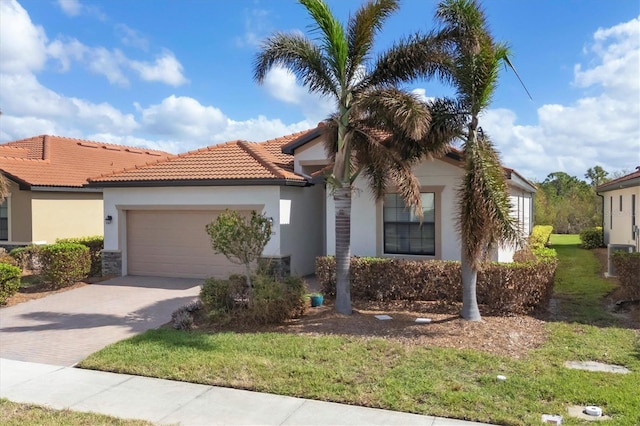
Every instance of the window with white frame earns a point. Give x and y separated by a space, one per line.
403 232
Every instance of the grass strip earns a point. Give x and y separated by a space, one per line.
15 414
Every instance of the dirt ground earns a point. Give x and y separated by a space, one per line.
508 336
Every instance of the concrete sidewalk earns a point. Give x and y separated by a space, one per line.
166 401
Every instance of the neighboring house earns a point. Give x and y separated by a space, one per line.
160 211
46 176
621 202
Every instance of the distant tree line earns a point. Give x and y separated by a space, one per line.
569 203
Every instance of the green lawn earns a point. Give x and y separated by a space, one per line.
14 414
579 286
435 381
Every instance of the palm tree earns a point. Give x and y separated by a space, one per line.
484 221
378 130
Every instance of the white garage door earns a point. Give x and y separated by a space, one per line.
173 243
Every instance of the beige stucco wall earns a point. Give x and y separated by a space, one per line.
19 214
617 222
66 214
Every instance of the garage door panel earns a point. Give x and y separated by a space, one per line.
174 244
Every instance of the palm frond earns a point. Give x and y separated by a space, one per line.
301 56
484 219
362 28
334 40
417 56
396 110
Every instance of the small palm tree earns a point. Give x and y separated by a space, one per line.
378 130
484 221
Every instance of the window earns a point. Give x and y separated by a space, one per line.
611 212
621 203
633 216
403 233
4 220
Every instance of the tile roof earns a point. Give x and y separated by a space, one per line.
66 162
621 181
235 160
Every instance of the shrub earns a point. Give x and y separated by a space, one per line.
219 297
592 238
27 258
95 245
9 281
627 266
503 288
6 258
182 318
540 235
64 263
273 300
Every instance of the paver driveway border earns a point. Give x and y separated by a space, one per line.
64 328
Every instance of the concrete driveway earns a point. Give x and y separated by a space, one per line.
66 327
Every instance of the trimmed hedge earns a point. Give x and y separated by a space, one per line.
27 257
9 281
540 235
64 264
502 288
592 238
95 245
627 266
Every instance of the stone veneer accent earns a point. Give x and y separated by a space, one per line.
111 263
279 266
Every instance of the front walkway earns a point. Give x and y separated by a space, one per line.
64 328
165 401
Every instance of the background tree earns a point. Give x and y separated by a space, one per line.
378 130
484 221
240 239
568 203
596 175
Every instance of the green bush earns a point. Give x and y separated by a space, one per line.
273 300
503 288
9 281
627 266
27 257
592 238
95 245
540 235
276 300
64 264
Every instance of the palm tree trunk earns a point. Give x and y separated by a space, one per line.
342 200
470 309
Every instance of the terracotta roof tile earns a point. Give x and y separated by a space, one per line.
227 161
58 161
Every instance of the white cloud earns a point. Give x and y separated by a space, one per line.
21 42
130 37
183 117
108 63
256 25
70 7
282 85
600 129
166 69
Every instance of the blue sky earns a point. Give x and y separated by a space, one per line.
177 75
